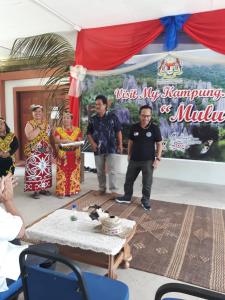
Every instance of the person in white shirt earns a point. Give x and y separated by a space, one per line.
11 227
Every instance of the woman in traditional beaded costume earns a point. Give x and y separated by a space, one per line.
68 158
38 170
8 146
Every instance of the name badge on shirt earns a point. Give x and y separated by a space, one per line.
136 133
148 134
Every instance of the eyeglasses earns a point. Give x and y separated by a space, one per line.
146 116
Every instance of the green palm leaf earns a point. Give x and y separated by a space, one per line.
48 52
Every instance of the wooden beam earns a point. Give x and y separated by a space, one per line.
25 74
2 99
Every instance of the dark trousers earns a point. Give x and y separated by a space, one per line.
134 168
6 166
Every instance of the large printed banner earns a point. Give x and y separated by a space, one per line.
188 101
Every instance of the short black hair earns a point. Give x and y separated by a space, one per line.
102 98
145 107
7 129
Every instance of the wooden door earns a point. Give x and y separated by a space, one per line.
25 100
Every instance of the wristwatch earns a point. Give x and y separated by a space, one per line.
157 158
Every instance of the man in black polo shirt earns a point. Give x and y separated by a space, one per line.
143 138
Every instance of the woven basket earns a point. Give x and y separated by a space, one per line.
111 225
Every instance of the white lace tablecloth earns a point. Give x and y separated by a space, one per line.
58 228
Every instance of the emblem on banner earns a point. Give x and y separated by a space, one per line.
169 67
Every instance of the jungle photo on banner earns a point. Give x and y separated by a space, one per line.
186 91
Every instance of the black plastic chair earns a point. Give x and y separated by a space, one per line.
188 290
46 284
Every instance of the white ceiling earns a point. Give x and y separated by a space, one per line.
96 13
21 18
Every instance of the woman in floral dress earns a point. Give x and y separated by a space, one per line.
68 158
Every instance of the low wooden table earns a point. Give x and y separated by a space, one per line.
79 240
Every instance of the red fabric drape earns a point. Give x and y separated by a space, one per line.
75 110
105 48
208 28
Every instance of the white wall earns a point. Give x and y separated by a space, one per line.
178 169
9 85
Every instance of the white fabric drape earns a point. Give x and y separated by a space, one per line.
202 57
206 57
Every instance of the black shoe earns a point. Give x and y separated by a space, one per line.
123 200
35 195
146 206
46 193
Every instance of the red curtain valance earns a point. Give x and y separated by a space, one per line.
107 47
208 29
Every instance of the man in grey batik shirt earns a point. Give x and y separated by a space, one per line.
105 136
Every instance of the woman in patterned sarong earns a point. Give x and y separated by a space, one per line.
8 146
68 158
38 170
